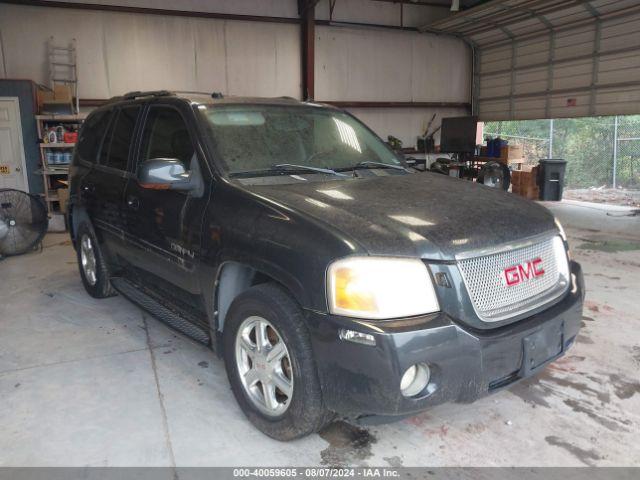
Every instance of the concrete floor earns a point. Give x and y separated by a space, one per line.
100 383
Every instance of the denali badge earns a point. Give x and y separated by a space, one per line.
182 251
525 271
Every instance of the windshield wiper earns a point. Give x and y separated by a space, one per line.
291 166
281 168
369 163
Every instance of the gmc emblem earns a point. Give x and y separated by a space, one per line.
525 271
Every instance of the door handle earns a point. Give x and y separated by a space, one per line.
133 203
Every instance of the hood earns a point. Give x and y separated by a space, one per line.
423 214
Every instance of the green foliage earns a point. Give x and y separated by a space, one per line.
586 144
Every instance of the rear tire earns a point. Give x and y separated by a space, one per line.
293 416
92 265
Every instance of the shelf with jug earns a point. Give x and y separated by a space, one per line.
57 135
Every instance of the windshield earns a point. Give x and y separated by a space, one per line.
259 138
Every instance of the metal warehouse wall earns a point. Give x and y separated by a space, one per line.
583 70
119 52
394 66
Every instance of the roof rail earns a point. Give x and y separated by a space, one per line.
150 93
190 92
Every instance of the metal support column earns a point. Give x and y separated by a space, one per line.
615 150
550 71
307 30
551 138
595 64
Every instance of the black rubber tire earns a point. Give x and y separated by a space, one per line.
102 287
493 165
306 413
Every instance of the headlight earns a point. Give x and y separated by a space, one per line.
560 229
378 288
563 235
562 257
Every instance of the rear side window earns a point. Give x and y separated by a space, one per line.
91 134
166 136
115 153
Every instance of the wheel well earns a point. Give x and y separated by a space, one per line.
77 215
233 279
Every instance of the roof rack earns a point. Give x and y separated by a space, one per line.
190 92
139 94
150 93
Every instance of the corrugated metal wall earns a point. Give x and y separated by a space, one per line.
393 66
586 70
119 52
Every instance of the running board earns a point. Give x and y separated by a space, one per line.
159 311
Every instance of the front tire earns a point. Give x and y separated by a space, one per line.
270 364
93 267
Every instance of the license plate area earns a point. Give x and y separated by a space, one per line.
541 347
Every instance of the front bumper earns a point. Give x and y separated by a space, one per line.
466 363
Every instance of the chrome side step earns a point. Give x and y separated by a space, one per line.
159 311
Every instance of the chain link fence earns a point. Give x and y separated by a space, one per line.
601 152
627 173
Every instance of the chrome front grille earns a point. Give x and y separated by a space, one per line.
493 299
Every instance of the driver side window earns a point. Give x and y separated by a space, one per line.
166 136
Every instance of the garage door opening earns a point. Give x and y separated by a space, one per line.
602 153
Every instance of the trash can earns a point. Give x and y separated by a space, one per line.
551 178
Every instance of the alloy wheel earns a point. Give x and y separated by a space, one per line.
264 366
88 259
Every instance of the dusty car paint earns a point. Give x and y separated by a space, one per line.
176 244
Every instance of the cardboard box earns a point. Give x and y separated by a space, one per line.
523 183
63 197
516 179
44 96
512 152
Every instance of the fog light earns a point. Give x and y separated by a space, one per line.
415 379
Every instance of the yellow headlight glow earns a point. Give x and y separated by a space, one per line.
380 287
352 292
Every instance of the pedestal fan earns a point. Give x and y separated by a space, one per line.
23 221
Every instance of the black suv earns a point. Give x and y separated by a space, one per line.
332 278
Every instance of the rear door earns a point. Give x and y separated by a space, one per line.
103 186
164 226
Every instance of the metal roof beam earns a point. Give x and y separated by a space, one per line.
562 91
540 15
577 58
516 12
623 12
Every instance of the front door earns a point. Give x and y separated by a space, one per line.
164 226
12 161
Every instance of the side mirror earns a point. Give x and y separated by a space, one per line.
165 174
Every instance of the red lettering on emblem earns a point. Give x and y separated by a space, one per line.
511 276
537 267
524 271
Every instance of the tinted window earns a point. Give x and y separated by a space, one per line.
166 136
91 134
121 138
